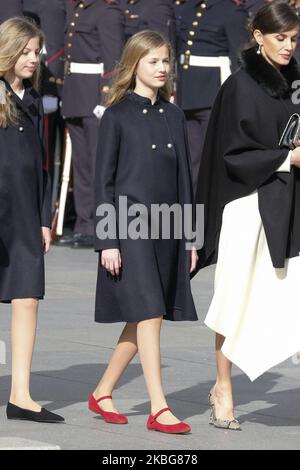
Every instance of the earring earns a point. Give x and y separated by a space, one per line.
259 49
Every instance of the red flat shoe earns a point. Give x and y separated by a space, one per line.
109 416
179 428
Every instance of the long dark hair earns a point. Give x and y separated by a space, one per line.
274 17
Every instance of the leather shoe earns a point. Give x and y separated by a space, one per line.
43 416
66 240
83 241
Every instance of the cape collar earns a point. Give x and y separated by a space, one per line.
276 84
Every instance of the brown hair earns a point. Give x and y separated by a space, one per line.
274 17
137 47
15 34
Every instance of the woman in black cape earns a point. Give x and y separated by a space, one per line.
251 191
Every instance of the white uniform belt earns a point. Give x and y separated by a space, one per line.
202 61
76 67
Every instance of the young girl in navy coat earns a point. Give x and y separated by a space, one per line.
143 155
25 216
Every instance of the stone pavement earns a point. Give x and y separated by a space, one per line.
72 352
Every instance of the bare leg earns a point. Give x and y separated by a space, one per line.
222 390
125 351
23 331
148 339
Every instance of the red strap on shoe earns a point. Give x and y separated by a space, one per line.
159 413
103 398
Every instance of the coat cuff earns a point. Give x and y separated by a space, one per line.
286 165
106 244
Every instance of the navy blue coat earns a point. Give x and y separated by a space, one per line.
143 154
24 200
94 34
206 28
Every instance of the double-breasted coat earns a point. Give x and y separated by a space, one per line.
143 154
24 200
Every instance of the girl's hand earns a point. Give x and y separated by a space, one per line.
194 259
46 234
111 261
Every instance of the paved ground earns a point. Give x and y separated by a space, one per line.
71 354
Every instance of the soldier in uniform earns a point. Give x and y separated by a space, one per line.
210 33
94 42
10 8
156 15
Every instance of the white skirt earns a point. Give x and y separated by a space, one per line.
255 306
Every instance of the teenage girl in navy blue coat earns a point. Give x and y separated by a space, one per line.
143 155
25 216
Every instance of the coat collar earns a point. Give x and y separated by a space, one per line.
276 84
143 100
29 102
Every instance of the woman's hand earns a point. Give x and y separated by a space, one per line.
111 261
46 234
295 157
194 259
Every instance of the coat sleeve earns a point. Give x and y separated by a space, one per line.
105 175
111 33
46 196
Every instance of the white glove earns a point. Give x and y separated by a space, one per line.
50 104
99 111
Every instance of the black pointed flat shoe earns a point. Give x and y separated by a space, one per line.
43 416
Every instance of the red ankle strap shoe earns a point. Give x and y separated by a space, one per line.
109 416
154 425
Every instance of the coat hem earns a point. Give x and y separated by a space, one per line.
8 301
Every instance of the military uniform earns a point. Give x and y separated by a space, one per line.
210 33
94 43
10 8
252 6
53 18
156 15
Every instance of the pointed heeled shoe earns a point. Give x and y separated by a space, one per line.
232 424
154 425
109 416
43 416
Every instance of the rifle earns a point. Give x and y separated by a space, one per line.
58 218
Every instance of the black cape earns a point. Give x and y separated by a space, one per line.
241 154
